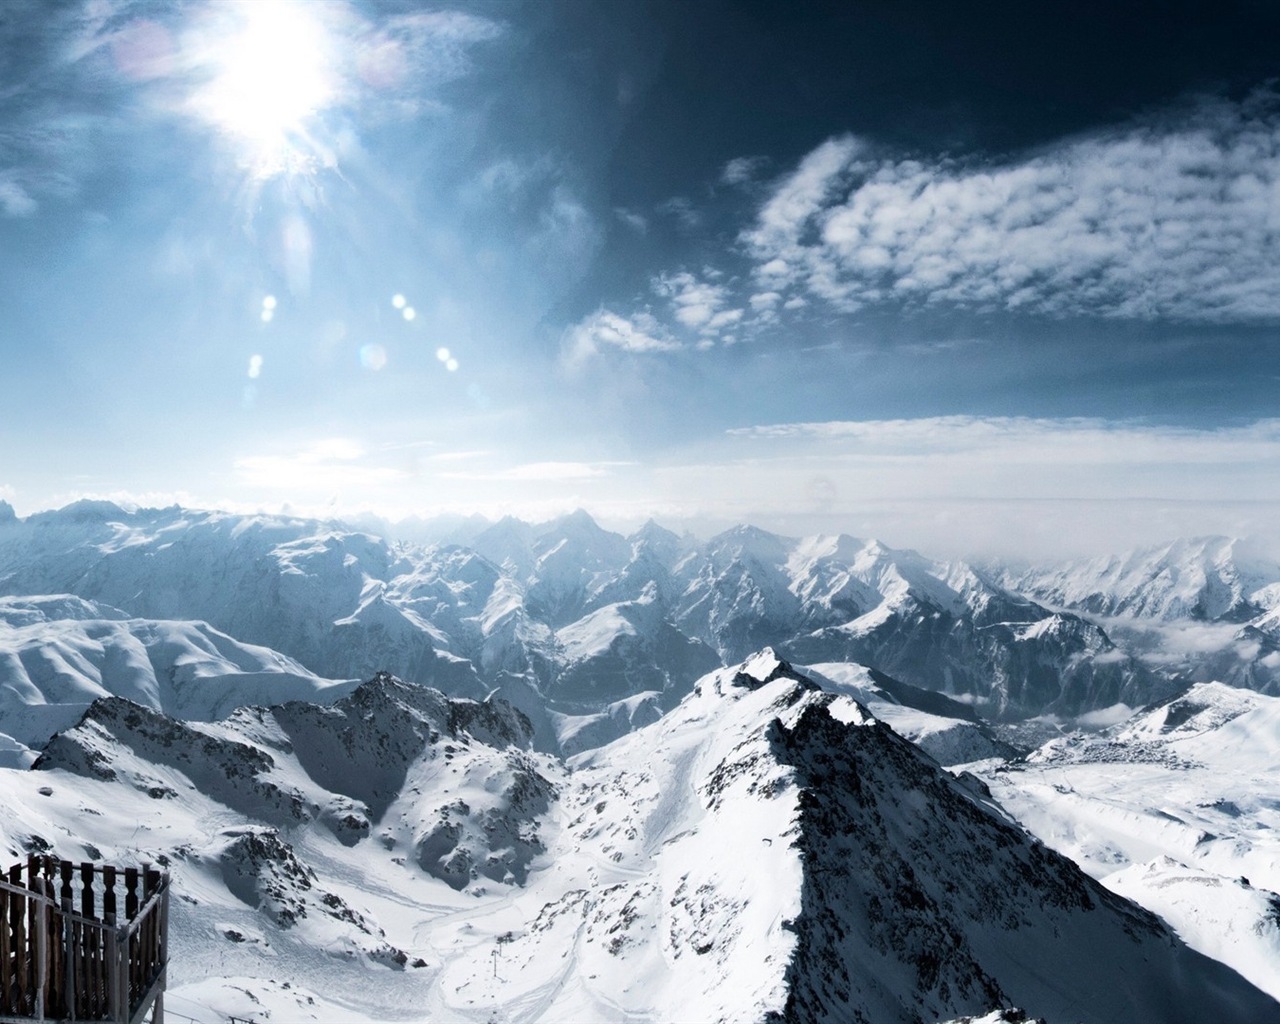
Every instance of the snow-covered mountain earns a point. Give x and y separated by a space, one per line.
1175 807
548 817
1205 609
767 850
1211 579
576 625
59 654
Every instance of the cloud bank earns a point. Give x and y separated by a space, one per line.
1176 220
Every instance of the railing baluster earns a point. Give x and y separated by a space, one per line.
69 958
59 958
132 989
40 942
17 925
6 967
33 952
91 1001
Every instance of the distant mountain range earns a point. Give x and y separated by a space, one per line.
587 631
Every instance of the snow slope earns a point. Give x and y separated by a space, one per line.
764 851
58 654
1204 578
1175 808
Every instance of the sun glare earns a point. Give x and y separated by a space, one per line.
272 73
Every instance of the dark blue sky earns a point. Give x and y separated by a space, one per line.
706 260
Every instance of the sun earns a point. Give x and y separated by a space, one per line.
271 73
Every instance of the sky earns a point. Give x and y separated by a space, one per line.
996 278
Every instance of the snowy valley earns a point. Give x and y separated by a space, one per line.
519 772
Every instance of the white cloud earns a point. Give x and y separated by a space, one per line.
407 51
694 302
699 304
566 238
15 200
684 212
605 330
631 219
1165 220
742 170
725 318
326 465
1030 441
541 472
459 456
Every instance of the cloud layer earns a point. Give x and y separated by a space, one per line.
1173 219
1170 220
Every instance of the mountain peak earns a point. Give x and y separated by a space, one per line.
88 510
578 519
761 668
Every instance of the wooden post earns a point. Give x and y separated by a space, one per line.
115 998
134 941
109 892
33 932
5 968
113 975
162 950
41 939
86 890
147 935
70 961
92 995
17 925
122 978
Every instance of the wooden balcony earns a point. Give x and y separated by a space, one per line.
83 942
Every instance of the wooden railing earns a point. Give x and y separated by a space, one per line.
83 942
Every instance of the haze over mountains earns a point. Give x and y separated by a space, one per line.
512 773
568 621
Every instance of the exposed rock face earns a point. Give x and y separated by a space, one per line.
767 823
354 766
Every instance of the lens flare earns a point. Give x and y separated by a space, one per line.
373 357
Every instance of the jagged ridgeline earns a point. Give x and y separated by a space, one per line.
590 633
767 850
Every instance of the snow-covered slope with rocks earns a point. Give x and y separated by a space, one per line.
767 851
947 730
1175 808
310 590
58 654
565 618
1204 609
1210 579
